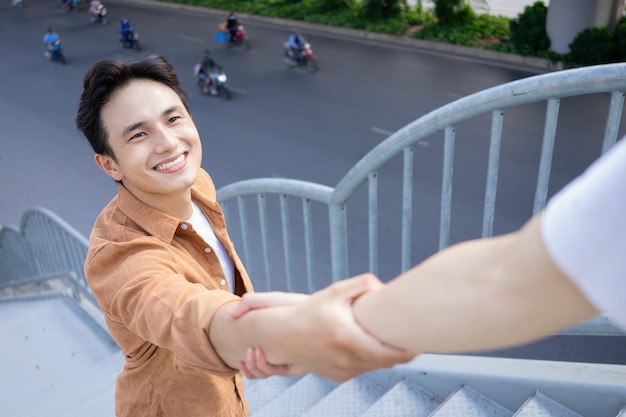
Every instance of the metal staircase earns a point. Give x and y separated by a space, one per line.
60 361
398 393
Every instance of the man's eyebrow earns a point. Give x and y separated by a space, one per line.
132 127
137 125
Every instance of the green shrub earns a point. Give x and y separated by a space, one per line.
620 41
447 10
479 31
327 5
592 46
528 31
382 9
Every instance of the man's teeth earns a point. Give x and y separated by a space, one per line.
168 165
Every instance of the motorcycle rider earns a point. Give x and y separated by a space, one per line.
49 38
93 8
294 44
231 25
125 30
207 68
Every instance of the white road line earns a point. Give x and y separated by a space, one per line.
375 129
381 131
193 39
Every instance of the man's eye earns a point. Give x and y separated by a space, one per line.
173 119
136 136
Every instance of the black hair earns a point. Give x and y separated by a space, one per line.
109 75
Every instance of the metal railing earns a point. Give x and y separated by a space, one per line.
46 246
549 88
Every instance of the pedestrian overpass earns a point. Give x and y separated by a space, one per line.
61 360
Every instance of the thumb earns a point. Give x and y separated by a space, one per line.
350 289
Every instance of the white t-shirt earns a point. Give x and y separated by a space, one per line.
584 230
204 229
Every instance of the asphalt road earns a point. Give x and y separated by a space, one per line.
280 123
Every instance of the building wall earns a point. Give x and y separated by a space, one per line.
567 18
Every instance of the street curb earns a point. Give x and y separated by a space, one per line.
529 63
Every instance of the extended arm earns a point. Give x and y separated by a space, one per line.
478 295
319 334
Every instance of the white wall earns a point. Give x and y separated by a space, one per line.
567 18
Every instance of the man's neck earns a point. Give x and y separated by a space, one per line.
176 205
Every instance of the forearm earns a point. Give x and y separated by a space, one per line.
231 337
479 295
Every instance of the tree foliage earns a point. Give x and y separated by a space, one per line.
528 31
592 46
383 9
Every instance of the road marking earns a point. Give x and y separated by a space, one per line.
381 131
193 39
375 129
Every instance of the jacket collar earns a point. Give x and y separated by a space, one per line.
158 223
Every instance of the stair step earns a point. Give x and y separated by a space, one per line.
92 393
405 399
263 391
350 399
541 406
296 399
468 403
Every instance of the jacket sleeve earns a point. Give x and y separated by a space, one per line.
141 285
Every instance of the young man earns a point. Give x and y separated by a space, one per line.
160 261
564 266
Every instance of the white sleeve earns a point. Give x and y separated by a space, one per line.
584 230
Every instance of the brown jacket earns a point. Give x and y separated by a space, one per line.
159 285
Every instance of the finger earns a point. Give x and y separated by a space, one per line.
254 301
245 371
348 290
265 368
373 353
252 366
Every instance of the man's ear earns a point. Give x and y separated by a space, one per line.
109 166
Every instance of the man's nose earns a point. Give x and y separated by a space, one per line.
166 140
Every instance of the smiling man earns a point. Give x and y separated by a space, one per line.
161 263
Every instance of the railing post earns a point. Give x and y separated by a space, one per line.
338 241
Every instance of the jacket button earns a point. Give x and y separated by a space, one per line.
223 282
184 226
207 250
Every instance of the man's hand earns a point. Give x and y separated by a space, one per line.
319 333
256 366
254 301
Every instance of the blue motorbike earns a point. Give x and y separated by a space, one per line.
54 52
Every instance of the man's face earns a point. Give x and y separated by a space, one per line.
155 142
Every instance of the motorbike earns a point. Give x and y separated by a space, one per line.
239 40
302 58
99 14
218 87
54 52
71 5
131 39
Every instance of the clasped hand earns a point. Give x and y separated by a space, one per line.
317 333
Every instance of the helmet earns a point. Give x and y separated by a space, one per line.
123 19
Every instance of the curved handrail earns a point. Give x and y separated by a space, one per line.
594 79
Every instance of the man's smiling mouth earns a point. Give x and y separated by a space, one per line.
167 165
